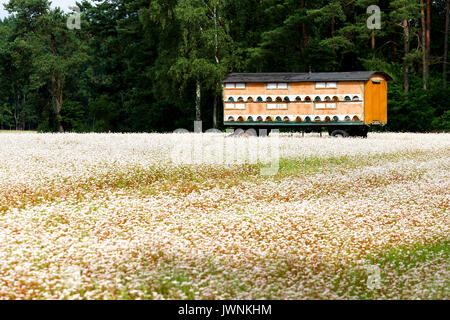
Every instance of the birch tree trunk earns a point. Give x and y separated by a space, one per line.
215 112
197 101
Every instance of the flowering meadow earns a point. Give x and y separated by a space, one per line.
118 216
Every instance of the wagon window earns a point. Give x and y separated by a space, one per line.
273 85
286 99
231 99
278 99
308 99
240 99
320 84
327 98
355 98
317 98
347 98
259 99
298 99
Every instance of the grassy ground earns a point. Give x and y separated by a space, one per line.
112 216
16 131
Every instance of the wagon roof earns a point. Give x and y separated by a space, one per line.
303 77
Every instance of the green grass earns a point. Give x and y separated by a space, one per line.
311 164
413 255
396 261
347 281
315 164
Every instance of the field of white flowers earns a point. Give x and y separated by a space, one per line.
122 216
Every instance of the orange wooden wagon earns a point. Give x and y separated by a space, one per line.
346 103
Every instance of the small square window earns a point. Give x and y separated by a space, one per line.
229 105
282 86
271 86
240 106
240 85
331 85
320 84
229 85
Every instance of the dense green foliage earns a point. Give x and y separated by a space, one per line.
134 64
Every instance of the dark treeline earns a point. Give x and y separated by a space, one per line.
144 65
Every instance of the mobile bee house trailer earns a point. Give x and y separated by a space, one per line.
345 103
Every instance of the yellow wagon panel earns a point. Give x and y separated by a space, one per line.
375 98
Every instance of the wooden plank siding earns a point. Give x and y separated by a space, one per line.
255 108
375 98
359 97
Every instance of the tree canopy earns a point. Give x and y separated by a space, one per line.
156 65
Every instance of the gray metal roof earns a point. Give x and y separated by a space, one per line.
303 77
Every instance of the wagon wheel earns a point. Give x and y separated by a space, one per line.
239 132
251 132
339 133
